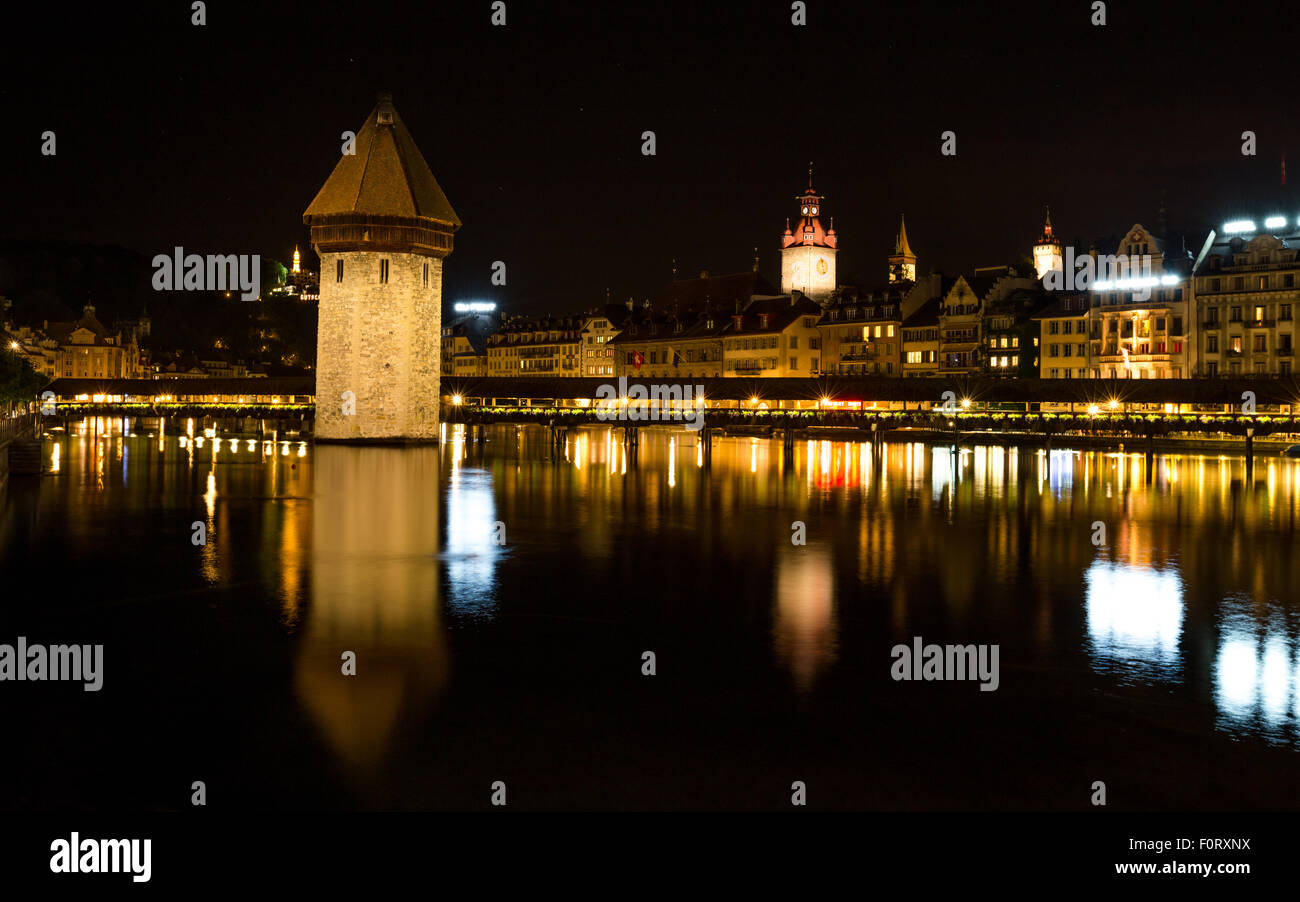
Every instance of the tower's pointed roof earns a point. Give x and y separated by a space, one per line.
1047 237
903 250
387 176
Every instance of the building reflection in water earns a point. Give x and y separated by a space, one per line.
374 577
471 551
1256 672
804 628
1135 620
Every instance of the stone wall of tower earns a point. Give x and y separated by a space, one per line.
381 342
799 271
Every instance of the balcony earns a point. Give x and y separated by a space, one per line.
1211 324
748 367
1284 352
1260 323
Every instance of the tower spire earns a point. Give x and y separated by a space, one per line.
902 262
902 246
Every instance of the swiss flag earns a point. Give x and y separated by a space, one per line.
637 359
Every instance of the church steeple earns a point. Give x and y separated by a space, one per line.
902 262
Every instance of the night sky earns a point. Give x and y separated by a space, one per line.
216 138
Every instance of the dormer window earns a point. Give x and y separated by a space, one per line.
738 319
762 320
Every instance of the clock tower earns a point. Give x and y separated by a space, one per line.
808 250
1047 249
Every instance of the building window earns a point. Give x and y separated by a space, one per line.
794 342
794 363
1211 344
426 275
383 272
1284 313
338 271
1260 342
1234 315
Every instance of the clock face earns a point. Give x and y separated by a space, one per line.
805 211
814 211
821 266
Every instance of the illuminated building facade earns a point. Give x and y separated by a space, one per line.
536 346
962 316
1140 322
1245 297
1010 333
773 337
464 344
86 349
685 333
1062 343
597 335
921 340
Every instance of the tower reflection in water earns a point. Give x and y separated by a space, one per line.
375 573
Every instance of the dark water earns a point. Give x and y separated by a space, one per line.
1162 662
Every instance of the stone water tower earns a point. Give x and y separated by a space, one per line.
381 227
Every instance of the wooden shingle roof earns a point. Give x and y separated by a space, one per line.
387 176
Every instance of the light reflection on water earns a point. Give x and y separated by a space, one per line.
380 551
1135 620
1257 670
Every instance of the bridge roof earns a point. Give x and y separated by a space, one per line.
235 386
